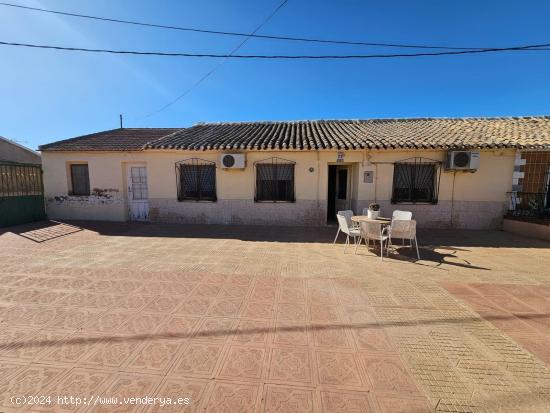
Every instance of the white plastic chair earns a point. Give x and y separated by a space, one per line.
374 231
346 229
348 213
404 229
365 211
402 215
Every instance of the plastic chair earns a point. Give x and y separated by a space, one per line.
348 213
404 229
346 229
374 231
402 215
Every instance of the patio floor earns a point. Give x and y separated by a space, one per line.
268 319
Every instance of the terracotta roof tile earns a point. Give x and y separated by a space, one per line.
420 133
124 139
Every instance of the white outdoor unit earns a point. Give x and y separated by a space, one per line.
462 161
233 161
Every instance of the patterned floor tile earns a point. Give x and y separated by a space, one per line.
195 305
79 383
243 363
154 357
399 405
291 312
338 369
291 332
283 399
292 295
206 290
110 354
372 339
185 395
231 397
178 326
290 365
252 332
259 310
215 329
198 360
388 373
343 402
126 386
225 308
165 303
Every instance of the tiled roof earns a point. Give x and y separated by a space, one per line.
122 139
531 132
421 133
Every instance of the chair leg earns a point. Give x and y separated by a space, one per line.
381 249
336 237
357 244
346 244
416 243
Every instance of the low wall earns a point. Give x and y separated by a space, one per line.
93 207
238 211
527 229
465 214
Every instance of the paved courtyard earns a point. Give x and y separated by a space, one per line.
250 319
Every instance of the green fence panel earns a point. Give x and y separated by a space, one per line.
21 194
16 210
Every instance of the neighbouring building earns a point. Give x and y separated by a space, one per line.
12 151
21 191
461 173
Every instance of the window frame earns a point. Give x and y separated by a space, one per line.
412 164
274 162
197 163
72 191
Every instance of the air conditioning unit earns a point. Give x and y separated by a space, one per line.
462 161
233 161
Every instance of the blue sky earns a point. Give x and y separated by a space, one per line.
48 95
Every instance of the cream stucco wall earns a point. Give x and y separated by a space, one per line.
483 191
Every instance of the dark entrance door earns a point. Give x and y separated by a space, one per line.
21 194
338 195
331 196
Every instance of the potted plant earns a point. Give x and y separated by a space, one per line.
374 210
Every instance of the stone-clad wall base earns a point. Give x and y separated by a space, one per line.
238 211
465 214
86 208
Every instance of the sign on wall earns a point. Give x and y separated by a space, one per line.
368 177
340 157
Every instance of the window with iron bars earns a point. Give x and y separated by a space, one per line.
196 180
274 180
416 180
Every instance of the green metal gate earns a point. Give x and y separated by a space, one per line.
21 193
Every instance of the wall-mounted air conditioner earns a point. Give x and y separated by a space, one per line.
462 161
233 161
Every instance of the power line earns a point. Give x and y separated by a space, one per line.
247 35
535 47
211 71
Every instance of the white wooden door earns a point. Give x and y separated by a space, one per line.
138 195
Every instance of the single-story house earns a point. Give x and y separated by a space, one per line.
458 173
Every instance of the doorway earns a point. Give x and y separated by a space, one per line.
339 190
138 194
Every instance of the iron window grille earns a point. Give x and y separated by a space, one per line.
274 180
80 180
416 180
196 180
